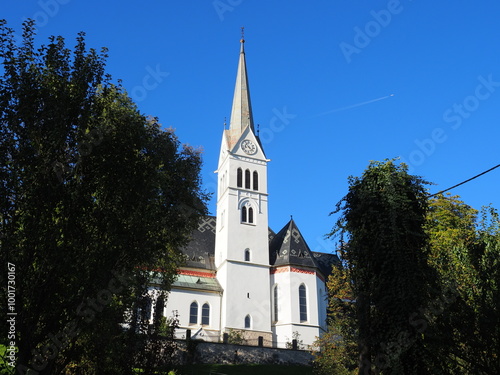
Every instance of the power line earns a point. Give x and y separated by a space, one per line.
463 182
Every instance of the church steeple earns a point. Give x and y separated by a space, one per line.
241 113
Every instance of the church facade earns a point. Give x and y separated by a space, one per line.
241 276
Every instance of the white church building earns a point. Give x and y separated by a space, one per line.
239 274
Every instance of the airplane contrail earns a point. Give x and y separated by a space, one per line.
354 105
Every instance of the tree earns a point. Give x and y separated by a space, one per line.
338 345
384 248
466 255
94 196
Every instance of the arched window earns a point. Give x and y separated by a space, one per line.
205 314
255 180
247 255
303 303
193 313
247 179
244 214
239 178
250 215
160 306
145 310
248 321
275 304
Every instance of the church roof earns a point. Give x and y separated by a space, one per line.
199 252
289 247
197 282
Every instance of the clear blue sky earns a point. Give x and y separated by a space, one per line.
334 84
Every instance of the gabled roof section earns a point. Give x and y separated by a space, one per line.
248 135
289 247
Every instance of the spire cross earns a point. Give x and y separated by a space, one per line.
243 33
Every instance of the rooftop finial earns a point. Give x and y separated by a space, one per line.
242 34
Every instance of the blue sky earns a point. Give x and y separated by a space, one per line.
334 84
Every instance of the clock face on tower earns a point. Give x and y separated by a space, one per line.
248 147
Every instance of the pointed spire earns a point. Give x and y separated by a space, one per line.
241 113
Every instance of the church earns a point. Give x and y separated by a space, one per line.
240 276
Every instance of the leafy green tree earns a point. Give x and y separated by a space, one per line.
384 247
466 254
338 349
93 197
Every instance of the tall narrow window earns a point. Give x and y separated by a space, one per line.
239 178
250 215
247 255
248 321
160 306
244 214
255 180
303 303
247 179
205 314
145 310
193 313
275 304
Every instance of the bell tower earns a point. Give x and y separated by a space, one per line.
242 245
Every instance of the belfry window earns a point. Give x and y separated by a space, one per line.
247 214
239 178
244 214
247 255
247 179
255 180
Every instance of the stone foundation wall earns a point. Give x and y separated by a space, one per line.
193 352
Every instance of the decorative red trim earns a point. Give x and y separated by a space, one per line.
301 270
280 270
297 270
196 273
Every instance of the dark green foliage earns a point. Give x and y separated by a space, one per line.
466 254
244 370
384 247
92 196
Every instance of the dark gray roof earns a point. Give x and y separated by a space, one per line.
287 247
325 262
200 251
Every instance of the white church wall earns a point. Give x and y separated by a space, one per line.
289 321
247 293
180 300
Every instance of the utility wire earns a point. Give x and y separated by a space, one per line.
463 182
